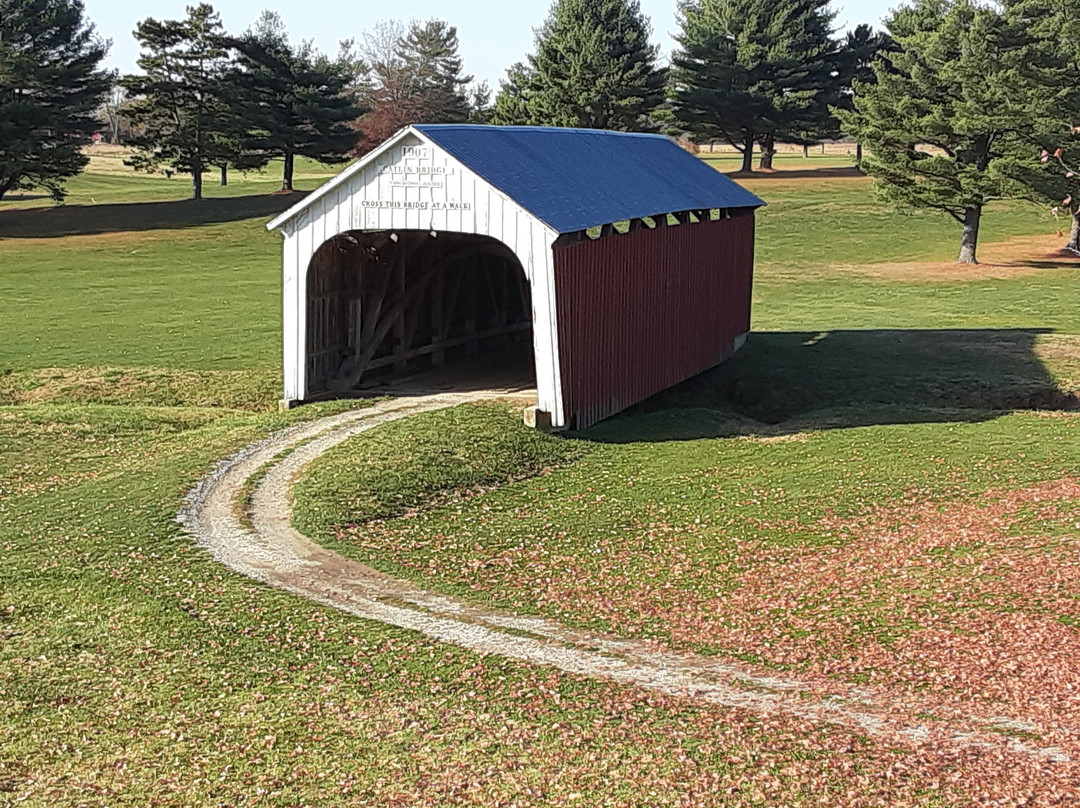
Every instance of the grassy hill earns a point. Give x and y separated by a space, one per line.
876 490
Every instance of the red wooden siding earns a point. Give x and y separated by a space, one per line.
640 312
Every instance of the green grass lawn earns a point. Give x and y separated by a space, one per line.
139 344
108 181
198 298
862 230
731 161
130 274
136 670
171 283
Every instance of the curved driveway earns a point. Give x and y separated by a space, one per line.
272 551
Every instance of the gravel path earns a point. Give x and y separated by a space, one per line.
276 554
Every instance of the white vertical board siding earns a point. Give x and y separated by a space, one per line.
411 184
292 340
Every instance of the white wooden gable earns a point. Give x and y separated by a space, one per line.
409 183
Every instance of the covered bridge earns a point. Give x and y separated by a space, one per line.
627 260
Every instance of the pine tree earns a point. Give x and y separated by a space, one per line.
430 49
594 67
294 100
805 105
861 48
51 88
480 108
512 104
945 116
1055 178
755 72
181 104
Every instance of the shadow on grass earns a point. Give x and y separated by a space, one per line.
85 220
827 172
23 196
1067 260
788 382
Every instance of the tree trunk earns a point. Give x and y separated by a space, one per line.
196 181
806 150
748 154
768 149
970 240
1074 234
224 176
286 177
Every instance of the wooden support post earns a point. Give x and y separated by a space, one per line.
383 329
375 303
356 323
504 304
451 300
413 322
425 266
438 320
399 320
472 346
356 268
497 297
471 301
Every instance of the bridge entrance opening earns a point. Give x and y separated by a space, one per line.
383 306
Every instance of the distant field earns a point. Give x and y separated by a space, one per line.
731 161
878 491
108 181
109 302
131 273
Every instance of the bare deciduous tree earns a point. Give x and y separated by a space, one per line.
112 111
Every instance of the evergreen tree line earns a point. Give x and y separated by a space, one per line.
953 101
205 100
750 73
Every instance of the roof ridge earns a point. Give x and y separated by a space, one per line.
487 127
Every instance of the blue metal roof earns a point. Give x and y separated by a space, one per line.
574 179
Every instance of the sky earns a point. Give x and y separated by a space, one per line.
493 35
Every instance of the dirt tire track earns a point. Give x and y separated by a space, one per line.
280 556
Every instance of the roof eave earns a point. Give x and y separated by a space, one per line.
754 206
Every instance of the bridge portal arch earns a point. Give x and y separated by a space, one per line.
384 303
